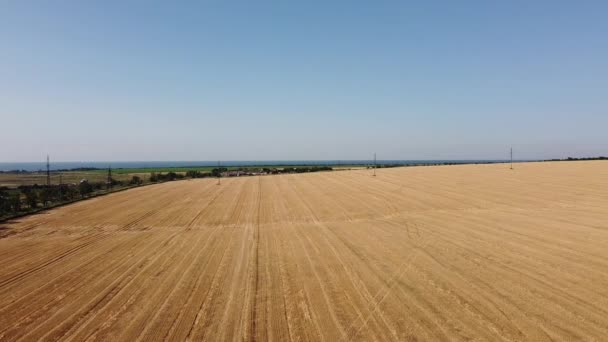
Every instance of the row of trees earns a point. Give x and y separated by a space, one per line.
384 166
171 176
303 169
30 197
160 177
217 172
576 159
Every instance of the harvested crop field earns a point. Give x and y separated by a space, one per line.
423 253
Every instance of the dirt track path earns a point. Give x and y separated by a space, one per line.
426 253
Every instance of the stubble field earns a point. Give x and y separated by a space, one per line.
423 253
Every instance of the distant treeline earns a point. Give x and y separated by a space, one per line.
58 170
225 172
79 169
382 166
302 169
575 159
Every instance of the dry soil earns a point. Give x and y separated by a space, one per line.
422 253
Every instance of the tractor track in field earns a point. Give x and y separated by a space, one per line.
256 261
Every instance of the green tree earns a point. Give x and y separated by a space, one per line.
45 196
15 202
62 192
193 174
85 188
31 198
217 172
135 180
4 202
71 193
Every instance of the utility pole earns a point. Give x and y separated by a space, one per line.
48 172
109 181
511 158
219 173
374 164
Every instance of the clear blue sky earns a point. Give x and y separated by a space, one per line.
257 80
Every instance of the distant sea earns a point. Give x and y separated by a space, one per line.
36 166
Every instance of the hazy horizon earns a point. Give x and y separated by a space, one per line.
142 81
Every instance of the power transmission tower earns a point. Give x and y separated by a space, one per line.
48 172
511 158
374 164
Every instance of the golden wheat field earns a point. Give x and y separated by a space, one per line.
471 252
